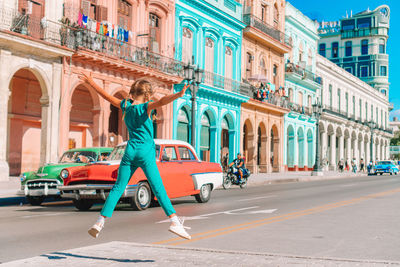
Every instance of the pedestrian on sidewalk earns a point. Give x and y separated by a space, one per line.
354 165
347 165
140 149
340 165
362 165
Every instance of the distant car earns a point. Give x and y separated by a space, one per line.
36 186
182 172
386 166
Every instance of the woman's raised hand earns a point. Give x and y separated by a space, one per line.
86 78
183 91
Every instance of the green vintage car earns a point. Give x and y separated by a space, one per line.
36 186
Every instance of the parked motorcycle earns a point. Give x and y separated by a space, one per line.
232 177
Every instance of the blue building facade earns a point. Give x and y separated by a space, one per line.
302 86
208 34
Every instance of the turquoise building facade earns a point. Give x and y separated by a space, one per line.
302 87
208 34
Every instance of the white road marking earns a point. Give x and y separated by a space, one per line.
261 211
254 198
347 185
205 216
46 214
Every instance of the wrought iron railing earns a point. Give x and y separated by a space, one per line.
257 23
80 38
215 80
305 74
300 108
274 99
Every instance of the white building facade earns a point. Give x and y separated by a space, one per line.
353 111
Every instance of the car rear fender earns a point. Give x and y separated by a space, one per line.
212 178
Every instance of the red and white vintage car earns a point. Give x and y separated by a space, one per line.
182 172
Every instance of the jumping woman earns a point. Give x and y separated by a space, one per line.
140 150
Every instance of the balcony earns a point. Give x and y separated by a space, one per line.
303 76
39 37
221 82
364 32
86 40
258 29
300 109
273 99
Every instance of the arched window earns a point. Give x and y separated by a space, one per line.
249 65
300 99
263 67
309 102
155 33
300 52
187 45
290 95
309 63
276 76
228 62
209 60
382 46
364 47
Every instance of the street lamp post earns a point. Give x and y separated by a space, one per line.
371 125
317 110
195 75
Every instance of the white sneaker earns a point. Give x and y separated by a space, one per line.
95 229
179 229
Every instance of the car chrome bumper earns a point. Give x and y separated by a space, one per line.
93 191
46 191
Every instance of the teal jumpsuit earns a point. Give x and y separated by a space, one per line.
140 152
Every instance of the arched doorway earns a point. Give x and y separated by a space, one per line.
227 137
208 137
24 123
262 148
274 148
300 153
117 131
183 132
310 149
290 147
83 126
248 147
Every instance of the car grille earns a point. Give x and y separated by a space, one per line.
41 185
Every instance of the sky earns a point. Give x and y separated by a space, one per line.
335 10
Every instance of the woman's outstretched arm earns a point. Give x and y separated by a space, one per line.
166 99
88 79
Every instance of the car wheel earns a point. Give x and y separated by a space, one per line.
205 194
142 198
82 204
35 200
227 182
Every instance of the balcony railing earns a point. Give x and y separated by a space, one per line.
273 99
35 28
122 50
305 74
80 38
215 80
300 108
257 23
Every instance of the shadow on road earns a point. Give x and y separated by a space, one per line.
64 255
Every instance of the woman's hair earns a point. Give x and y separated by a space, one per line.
141 87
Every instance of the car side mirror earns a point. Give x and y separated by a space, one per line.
164 158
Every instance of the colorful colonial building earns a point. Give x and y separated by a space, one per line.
264 46
302 84
208 34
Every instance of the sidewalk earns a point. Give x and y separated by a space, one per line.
124 253
8 190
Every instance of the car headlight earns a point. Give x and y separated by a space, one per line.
23 177
64 174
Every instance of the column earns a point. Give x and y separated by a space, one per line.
332 162
55 112
5 57
362 152
323 145
341 147
348 154
45 130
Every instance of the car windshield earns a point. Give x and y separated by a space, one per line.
384 163
119 151
78 157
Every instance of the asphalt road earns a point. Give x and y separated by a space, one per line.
354 218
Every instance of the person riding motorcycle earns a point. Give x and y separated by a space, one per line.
239 164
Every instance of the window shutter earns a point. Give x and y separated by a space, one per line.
85 6
104 11
23 4
101 13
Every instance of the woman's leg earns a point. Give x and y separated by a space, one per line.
125 173
150 169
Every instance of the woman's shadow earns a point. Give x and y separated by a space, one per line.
64 255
